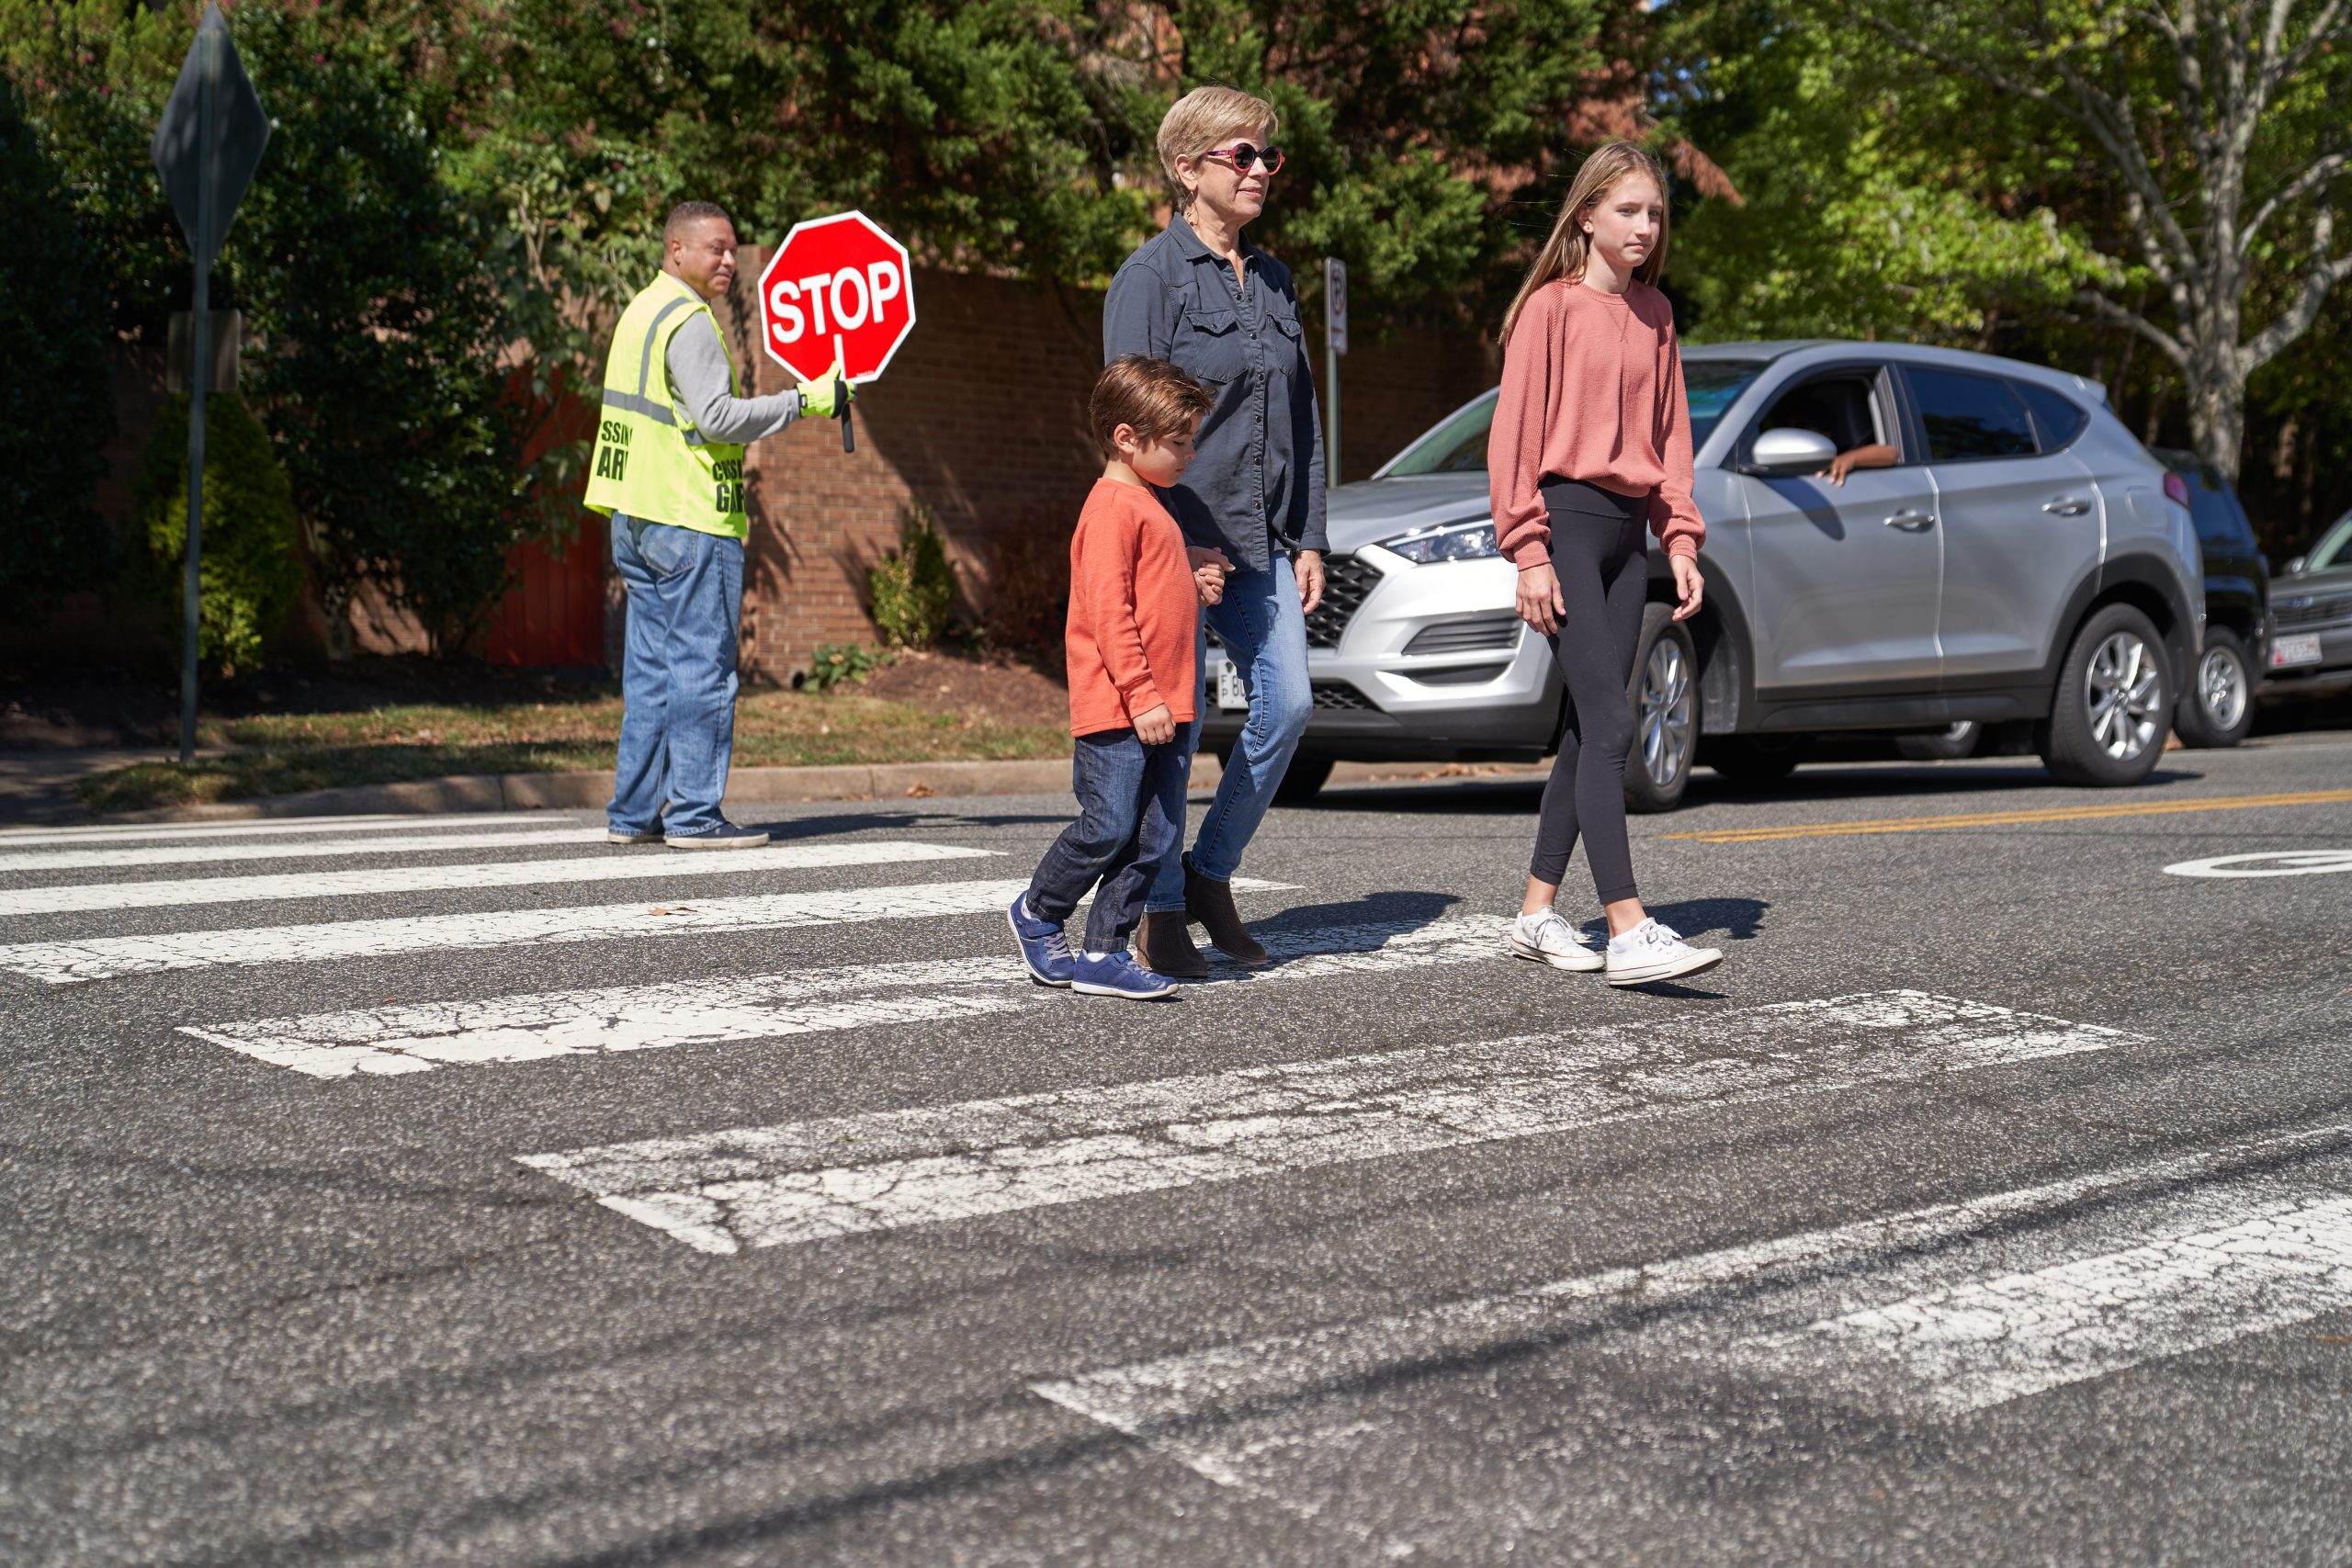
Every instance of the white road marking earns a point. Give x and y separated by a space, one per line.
615 865
2222 1243
17 838
189 854
751 1187
727 1010
2271 862
103 958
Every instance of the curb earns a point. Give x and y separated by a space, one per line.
586 790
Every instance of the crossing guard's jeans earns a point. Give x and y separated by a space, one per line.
686 598
1264 632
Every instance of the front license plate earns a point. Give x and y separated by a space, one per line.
1232 693
2288 651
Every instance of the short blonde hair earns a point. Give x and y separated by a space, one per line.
1202 118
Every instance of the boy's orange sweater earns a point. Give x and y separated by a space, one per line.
1134 613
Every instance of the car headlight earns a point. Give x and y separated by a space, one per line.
1455 541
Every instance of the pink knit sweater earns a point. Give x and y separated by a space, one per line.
1592 391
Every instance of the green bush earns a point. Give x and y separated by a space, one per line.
842 663
57 399
251 574
913 586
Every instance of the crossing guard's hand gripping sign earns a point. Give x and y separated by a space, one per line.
837 290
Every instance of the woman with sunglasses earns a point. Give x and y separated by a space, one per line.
1203 296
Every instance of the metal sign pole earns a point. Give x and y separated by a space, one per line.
200 381
1335 343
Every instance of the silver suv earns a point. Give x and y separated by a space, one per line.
2025 561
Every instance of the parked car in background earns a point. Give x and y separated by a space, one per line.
2024 562
2217 708
2310 619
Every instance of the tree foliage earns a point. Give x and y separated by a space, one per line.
57 399
251 573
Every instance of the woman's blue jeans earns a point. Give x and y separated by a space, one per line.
685 599
1264 633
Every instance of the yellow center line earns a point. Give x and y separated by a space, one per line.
2012 818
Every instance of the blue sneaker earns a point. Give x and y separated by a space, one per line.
631 835
1043 948
1117 975
726 835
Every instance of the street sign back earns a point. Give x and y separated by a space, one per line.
207 153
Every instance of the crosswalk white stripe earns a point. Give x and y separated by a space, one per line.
1997 1340
614 865
419 1037
751 1187
18 838
102 958
194 854
1245 1415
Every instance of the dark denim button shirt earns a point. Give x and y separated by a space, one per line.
1256 481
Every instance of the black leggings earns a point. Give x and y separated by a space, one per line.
1601 555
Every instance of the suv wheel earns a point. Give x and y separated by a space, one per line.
2114 703
1664 693
1948 746
2218 709
1305 777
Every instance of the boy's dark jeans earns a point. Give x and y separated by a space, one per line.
1130 817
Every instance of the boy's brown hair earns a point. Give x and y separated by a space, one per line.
1151 395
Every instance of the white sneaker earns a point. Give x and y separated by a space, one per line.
1651 952
1544 938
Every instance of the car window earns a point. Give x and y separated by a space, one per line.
2058 417
1458 445
2215 510
1837 407
1969 416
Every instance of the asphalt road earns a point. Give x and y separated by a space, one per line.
458 1191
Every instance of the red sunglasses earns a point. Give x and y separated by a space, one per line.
1241 154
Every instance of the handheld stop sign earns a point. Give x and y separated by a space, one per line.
837 287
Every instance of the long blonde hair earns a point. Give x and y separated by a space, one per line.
1565 253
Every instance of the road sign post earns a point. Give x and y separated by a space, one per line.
838 290
1335 343
205 148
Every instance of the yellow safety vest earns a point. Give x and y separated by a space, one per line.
650 462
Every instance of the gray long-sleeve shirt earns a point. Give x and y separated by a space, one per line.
699 372
1256 482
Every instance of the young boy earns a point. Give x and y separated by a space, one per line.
1135 597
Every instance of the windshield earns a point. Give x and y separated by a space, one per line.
1458 445
2334 550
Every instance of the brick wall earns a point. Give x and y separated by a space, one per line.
981 418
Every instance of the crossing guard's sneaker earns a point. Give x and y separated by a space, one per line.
631 835
1650 952
1045 949
1545 937
1117 975
726 835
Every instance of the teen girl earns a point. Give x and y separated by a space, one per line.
1590 447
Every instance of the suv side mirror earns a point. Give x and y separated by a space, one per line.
1779 453
2294 566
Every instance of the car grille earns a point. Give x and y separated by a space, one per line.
1337 697
2311 611
1475 634
1347 582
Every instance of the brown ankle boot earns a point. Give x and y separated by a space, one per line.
1166 947
1211 903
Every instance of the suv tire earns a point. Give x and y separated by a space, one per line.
1950 746
1301 782
2218 709
2113 706
1664 694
